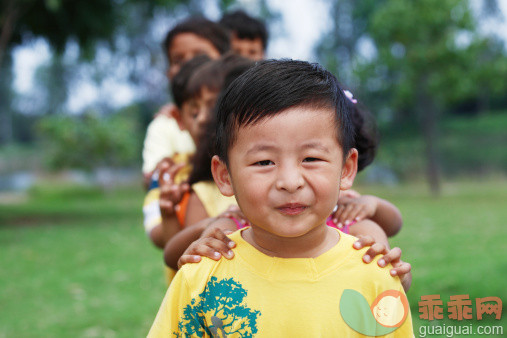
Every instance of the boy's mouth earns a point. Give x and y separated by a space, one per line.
292 209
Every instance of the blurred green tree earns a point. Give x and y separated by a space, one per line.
89 140
429 51
88 23
413 61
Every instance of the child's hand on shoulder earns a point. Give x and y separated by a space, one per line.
400 268
351 209
350 193
213 242
234 213
170 192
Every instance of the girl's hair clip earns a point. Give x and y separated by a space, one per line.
350 96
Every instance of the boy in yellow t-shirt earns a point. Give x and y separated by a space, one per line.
283 140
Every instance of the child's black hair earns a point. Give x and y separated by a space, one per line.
366 136
245 26
180 81
209 30
214 74
273 86
232 66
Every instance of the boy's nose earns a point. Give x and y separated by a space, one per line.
289 179
202 117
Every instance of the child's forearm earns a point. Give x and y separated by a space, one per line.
164 231
388 216
177 245
157 236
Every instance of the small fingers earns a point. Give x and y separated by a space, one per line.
166 207
188 259
401 269
352 213
362 241
350 194
204 249
233 208
214 248
221 236
374 250
361 214
391 256
337 216
175 193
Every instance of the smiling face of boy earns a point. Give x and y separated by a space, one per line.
286 171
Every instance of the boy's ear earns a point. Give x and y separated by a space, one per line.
221 176
176 113
349 170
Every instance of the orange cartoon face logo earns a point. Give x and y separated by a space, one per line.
390 308
388 312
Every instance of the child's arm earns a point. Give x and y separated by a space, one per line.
370 207
195 210
170 195
180 242
208 229
370 234
176 300
214 244
196 220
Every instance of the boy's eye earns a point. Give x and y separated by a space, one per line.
310 159
264 163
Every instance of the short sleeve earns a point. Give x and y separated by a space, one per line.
151 210
171 314
163 139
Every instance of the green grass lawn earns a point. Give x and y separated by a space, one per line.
76 263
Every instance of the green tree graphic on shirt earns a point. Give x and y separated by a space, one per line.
222 302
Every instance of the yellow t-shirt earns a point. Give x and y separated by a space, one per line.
261 296
151 205
164 138
211 198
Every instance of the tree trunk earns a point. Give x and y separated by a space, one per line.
6 124
429 116
9 18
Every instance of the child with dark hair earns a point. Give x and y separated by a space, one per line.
195 91
189 120
191 37
284 139
249 35
372 218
